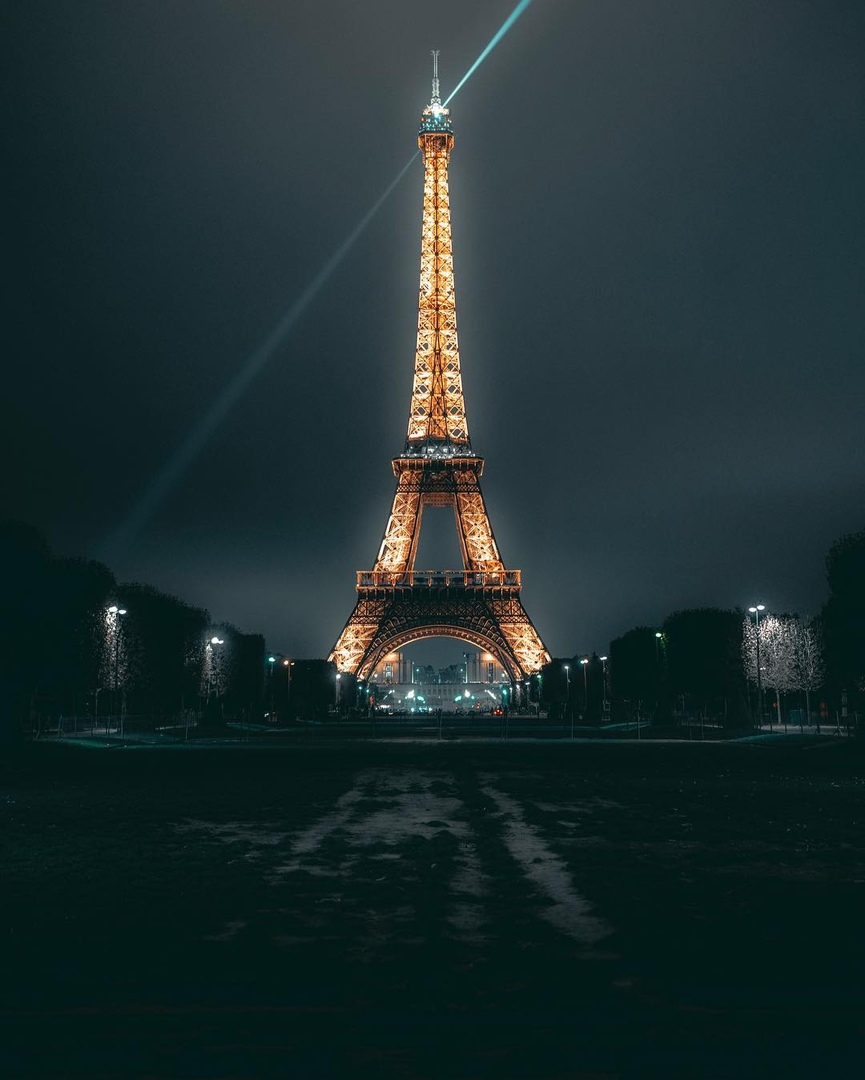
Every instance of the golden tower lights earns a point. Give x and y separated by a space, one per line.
396 603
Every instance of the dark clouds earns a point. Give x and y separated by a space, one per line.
659 232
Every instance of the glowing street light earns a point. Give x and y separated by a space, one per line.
604 660
584 663
288 665
755 611
568 695
210 652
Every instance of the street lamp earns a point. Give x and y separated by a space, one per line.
336 696
210 651
584 663
604 660
287 664
659 637
755 611
271 660
568 697
115 612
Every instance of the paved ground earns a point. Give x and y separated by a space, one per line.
507 910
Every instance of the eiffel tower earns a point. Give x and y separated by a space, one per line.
396 603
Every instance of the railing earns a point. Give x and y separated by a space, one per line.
448 579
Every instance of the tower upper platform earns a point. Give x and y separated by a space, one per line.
436 118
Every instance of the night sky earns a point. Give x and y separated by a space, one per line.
658 232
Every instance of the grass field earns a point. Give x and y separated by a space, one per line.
502 910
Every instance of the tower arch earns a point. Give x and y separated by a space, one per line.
404 637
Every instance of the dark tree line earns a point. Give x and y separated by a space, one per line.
574 689
63 651
842 621
692 664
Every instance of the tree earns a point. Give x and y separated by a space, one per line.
843 616
778 639
636 667
554 686
809 667
246 694
24 575
778 654
81 590
313 684
164 642
703 650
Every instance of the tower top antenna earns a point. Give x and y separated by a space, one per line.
436 95
435 118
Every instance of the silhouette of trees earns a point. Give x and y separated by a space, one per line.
24 559
245 696
704 673
777 638
60 646
842 618
636 672
313 684
554 686
164 646
80 591
810 670
791 657
692 665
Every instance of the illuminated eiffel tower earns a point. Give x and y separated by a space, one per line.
397 604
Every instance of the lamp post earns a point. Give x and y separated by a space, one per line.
115 612
271 660
336 693
212 680
604 699
584 663
287 664
755 611
568 695
659 637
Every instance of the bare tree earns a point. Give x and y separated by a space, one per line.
773 648
809 668
778 648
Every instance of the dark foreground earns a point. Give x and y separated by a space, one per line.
530 911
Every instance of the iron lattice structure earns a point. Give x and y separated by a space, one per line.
396 603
